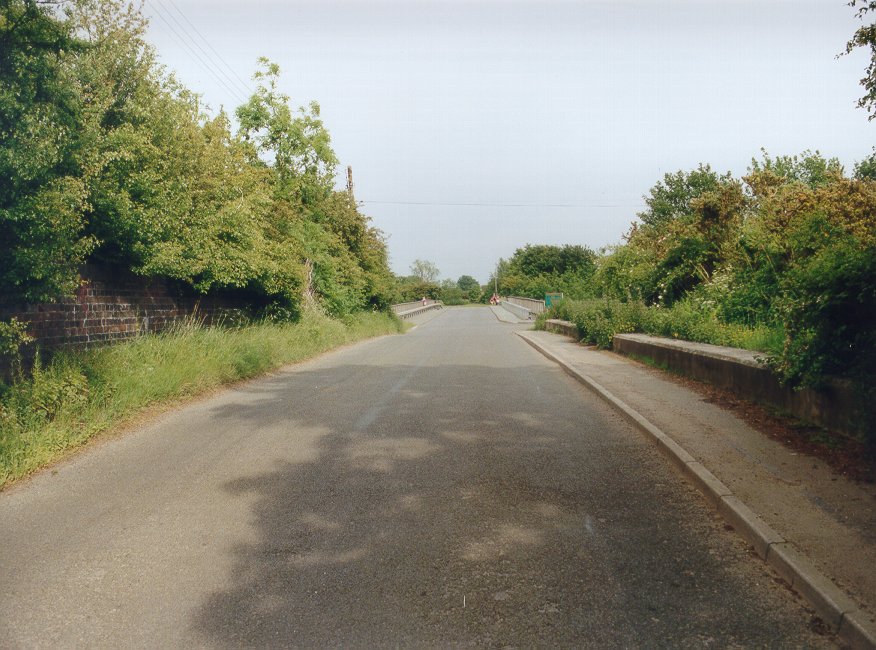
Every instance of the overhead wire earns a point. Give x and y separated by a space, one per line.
239 83
159 11
507 205
190 44
236 86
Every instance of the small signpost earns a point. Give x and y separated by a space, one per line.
550 299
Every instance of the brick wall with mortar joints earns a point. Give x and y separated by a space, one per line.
111 305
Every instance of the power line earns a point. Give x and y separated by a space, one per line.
182 40
186 39
508 205
241 84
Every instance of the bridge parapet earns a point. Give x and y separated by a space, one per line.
742 372
534 306
517 310
409 309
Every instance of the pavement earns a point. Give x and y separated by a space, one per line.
814 526
446 487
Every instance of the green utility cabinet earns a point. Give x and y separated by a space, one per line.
550 299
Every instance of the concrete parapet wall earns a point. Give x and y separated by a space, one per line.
517 310
741 372
563 327
534 306
403 307
410 309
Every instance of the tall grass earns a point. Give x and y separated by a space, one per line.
80 394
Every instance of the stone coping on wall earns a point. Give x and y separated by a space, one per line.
737 355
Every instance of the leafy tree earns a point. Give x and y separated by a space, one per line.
137 135
623 271
411 288
223 237
361 246
683 239
865 37
452 295
297 144
537 269
866 169
809 168
42 196
470 287
543 259
697 244
672 197
425 270
828 304
107 158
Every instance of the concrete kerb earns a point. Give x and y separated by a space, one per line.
828 600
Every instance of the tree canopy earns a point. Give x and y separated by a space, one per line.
425 270
790 246
109 159
865 37
538 269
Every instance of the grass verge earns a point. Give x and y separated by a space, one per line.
83 393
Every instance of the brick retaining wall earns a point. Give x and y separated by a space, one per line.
111 305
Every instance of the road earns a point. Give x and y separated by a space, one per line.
446 487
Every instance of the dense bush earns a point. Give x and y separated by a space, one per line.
534 271
782 261
105 157
411 289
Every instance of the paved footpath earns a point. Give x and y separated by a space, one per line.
447 487
825 520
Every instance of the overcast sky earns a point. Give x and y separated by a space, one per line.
474 128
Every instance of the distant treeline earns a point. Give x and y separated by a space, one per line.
105 157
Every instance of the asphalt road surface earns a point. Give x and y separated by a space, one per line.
447 487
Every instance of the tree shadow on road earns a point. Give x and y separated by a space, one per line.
463 506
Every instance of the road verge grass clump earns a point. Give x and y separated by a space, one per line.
79 394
